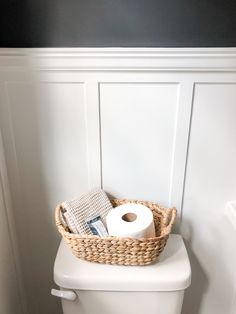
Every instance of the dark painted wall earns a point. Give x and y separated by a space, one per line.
114 23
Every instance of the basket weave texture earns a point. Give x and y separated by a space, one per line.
117 250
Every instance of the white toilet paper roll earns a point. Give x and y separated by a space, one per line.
131 220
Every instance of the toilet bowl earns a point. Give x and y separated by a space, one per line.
89 288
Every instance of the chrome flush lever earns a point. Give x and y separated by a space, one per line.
64 294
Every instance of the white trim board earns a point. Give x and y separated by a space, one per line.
119 59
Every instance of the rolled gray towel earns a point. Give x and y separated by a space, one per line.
78 210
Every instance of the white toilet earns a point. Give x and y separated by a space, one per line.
91 288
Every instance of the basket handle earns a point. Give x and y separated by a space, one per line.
58 220
171 218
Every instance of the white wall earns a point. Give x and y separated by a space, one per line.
72 119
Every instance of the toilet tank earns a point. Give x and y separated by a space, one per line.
110 289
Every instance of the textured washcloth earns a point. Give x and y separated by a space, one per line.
77 211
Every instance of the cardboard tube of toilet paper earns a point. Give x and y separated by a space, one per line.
131 220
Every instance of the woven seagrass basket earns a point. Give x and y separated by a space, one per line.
117 250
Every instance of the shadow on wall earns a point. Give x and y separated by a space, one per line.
194 294
199 283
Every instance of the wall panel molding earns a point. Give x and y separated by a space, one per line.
106 74
119 59
95 66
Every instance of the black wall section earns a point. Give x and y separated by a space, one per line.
117 23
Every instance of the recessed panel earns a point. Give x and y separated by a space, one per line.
211 167
210 184
137 138
48 122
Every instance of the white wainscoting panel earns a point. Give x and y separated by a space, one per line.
72 119
48 122
48 126
210 184
137 138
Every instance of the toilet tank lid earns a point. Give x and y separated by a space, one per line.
171 273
